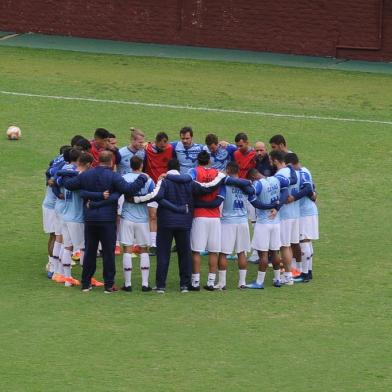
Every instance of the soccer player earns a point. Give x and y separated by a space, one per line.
278 143
112 142
219 155
308 222
266 236
100 143
244 155
234 229
134 229
186 151
289 213
157 156
136 147
263 164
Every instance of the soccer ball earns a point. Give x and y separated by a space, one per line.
14 133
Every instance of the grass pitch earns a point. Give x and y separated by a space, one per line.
330 335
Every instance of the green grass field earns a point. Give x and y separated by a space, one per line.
333 334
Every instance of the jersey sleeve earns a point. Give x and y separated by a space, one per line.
283 181
192 172
231 148
222 192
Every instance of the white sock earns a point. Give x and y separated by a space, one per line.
305 255
61 252
153 238
195 280
145 268
222 278
294 263
242 277
310 257
276 275
66 262
51 264
117 243
288 275
260 277
81 257
56 249
127 267
211 279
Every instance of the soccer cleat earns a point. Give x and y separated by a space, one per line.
117 250
287 281
295 272
310 275
219 287
86 289
96 283
159 290
231 257
152 251
184 289
194 288
302 278
242 286
255 285
58 278
71 282
76 256
253 258
128 289
110 290
276 283
209 287
204 253
146 289
49 274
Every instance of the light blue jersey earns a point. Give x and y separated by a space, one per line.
291 210
267 191
50 198
307 207
137 213
222 156
187 157
124 166
234 205
61 203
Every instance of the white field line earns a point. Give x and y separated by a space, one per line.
200 109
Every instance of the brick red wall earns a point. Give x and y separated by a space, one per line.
360 29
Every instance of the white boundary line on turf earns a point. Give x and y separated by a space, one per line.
200 109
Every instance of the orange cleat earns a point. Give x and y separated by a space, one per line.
295 272
117 251
136 249
71 282
76 256
58 278
96 283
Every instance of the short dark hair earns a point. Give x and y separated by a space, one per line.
185 130
251 173
277 155
85 158
241 136
136 162
291 158
173 164
75 139
63 148
278 139
211 139
203 158
160 136
66 152
74 154
232 167
105 156
112 135
101 133
84 144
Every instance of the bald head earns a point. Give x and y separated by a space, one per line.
105 158
261 150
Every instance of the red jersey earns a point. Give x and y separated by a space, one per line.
206 174
156 160
245 161
95 150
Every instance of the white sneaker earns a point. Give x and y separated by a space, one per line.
219 287
253 258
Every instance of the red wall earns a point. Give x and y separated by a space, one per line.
360 29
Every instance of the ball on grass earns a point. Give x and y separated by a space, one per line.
14 133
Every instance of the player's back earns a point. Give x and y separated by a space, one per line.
290 210
307 206
137 213
234 206
268 192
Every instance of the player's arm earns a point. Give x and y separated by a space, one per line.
178 209
209 204
112 199
72 183
293 175
245 185
93 196
157 194
121 186
204 188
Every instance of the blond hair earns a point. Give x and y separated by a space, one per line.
135 133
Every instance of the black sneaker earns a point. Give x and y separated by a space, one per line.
110 290
310 275
145 289
209 288
193 288
159 290
184 289
127 289
86 289
153 251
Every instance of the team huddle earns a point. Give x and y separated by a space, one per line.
203 196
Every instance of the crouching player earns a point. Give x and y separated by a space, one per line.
266 236
134 229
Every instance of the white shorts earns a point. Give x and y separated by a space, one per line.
73 235
132 233
153 204
266 236
235 237
120 204
206 235
48 216
289 232
251 211
309 228
58 224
